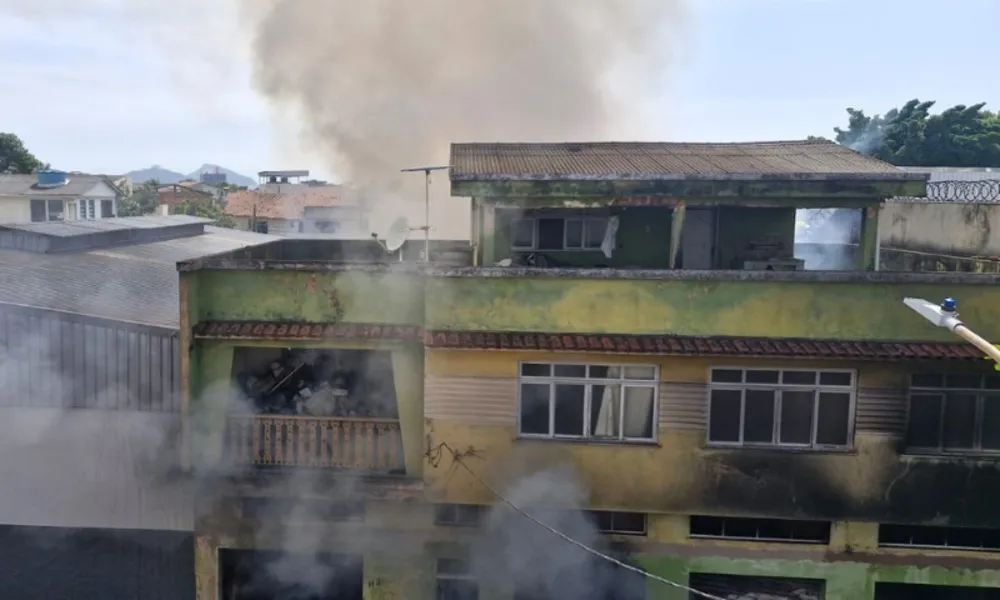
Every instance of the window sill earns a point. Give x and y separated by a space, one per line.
918 455
714 448
587 442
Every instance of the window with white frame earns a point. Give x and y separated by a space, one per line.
954 413
781 408
47 210
558 233
583 401
88 209
455 580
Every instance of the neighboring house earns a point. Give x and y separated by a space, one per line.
57 196
320 209
89 407
631 354
194 192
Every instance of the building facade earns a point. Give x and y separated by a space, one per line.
631 355
57 196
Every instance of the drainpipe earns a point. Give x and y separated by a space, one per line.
945 315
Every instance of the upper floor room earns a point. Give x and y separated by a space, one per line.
676 206
57 196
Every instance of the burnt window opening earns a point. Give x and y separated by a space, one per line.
588 402
459 515
588 578
265 575
558 233
930 536
753 588
785 408
954 413
317 382
923 591
618 523
760 530
303 509
455 580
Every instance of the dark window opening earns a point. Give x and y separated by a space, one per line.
266 575
303 509
588 578
621 523
550 234
56 209
455 580
317 382
459 515
107 209
930 536
761 530
752 588
917 591
784 408
954 413
259 226
38 211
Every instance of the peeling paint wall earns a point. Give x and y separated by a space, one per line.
955 228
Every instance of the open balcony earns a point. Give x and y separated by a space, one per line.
363 444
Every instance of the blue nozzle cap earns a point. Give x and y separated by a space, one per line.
949 305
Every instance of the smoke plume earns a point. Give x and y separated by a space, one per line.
382 85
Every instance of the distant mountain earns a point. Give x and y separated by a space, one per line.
155 172
167 176
232 177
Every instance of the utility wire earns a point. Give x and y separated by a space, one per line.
459 458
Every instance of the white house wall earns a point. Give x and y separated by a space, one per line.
14 209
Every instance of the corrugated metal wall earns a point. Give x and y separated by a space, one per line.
493 401
60 360
43 563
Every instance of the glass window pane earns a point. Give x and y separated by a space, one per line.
574 233
550 234
758 417
991 423
796 417
963 382
836 378
38 211
640 372
569 409
639 418
727 375
55 210
579 371
833 424
960 421
605 411
924 427
595 232
755 376
535 370
522 233
928 380
798 377
724 417
535 408
602 372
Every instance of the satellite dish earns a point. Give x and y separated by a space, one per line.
397 234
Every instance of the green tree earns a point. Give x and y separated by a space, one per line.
15 157
961 136
143 201
206 210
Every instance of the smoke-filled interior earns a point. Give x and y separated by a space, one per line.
269 575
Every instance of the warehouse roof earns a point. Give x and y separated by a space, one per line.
133 282
804 159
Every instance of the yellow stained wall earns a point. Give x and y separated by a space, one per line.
639 477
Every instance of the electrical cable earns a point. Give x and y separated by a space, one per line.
458 458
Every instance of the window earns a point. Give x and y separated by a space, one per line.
458 515
455 580
954 413
303 510
593 402
107 209
781 408
929 536
259 226
621 523
88 209
46 210
760 530
558 233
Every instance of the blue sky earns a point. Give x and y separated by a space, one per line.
748 70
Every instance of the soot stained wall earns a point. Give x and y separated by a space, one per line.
42 563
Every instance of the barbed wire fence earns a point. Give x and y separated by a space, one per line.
980 190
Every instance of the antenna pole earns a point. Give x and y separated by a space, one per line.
427 205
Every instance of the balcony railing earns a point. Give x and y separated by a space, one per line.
315 442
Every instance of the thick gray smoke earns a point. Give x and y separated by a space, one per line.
383 85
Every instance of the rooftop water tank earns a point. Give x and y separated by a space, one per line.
51 178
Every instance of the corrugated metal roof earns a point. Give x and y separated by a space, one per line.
136 283
24 185
664 160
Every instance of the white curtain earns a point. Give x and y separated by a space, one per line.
609 407
638 409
